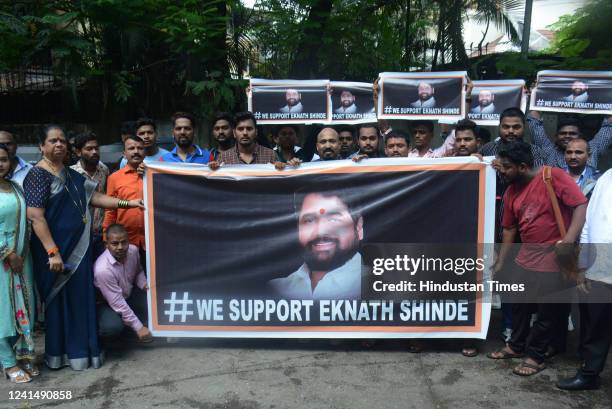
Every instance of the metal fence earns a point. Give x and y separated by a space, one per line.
32 79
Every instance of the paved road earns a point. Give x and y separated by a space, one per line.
253 374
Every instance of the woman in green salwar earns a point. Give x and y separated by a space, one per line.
17 305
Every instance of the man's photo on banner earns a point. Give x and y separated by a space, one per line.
431 95
330 229
490 98
289 101
352 102
588 92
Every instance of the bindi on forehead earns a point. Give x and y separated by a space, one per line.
321 211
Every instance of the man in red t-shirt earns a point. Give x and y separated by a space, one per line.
528 211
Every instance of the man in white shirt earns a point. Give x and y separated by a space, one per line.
329 231
596 286
579 92
426 96
347 103
19 167
294 102
485 102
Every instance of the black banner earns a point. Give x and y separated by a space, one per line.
431 95
588 92
289 101
326 250
491 98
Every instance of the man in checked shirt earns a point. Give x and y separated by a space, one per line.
568 129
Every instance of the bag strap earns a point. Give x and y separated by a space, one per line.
547 176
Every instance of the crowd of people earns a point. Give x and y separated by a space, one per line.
84 260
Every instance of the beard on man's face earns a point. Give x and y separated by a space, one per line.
338 258
91 160
183 143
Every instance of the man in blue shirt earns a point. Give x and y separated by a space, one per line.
19 167
185 151
577 153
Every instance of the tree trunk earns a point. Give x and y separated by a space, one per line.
438 46
407 39
306 62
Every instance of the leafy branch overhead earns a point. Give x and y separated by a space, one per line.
193 54
146 49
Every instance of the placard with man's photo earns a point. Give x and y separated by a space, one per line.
587 92
289 101
352 102
421 95
490 98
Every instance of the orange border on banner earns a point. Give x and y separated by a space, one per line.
155 325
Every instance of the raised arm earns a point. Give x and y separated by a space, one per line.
448 146
536 128
602 139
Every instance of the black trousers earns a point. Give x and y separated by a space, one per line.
551 314
595 318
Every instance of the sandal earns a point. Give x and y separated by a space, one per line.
469 352
504 354
30 367
535 367
17 375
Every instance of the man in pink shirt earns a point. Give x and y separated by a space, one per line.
423 135
116 272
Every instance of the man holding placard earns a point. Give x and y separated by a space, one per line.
567 130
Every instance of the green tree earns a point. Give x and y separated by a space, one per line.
349 39
584 37
158 54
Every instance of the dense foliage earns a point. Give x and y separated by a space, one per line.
162 54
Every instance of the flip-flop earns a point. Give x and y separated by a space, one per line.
504 354
537 369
